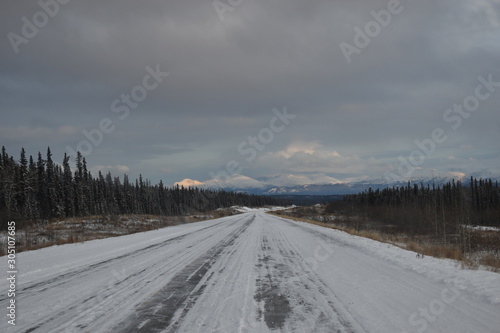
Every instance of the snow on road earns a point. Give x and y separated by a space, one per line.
251 272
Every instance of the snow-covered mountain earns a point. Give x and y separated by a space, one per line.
320 184
487 173
298 180
189 183
235 183
417 176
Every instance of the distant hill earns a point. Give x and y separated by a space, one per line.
321 184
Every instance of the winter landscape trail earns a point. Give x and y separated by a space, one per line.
252 272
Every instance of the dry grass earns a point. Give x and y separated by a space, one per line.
362 233
435 250
491 261
424 247
75 230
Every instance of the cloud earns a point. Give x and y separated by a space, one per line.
226 77
115 170
37 133
487 7
467 147
310 148
314 157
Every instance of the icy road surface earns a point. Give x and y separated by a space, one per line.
247 273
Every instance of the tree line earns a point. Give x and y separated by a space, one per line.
444 211
40 190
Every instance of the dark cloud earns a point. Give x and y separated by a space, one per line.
227 76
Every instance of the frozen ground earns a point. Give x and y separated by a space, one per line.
246 273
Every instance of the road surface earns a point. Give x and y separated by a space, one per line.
252 272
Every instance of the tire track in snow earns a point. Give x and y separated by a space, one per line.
63 278
165 310
275 307
301 301
84 308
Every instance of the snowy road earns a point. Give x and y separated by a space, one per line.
247 273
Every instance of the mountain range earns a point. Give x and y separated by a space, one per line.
321 184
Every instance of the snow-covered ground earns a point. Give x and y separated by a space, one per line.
481 228
251 272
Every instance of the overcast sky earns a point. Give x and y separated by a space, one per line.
345 103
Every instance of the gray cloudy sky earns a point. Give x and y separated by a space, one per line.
226 77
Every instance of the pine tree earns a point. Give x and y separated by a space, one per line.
41 187
68 187
31 191
21 182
